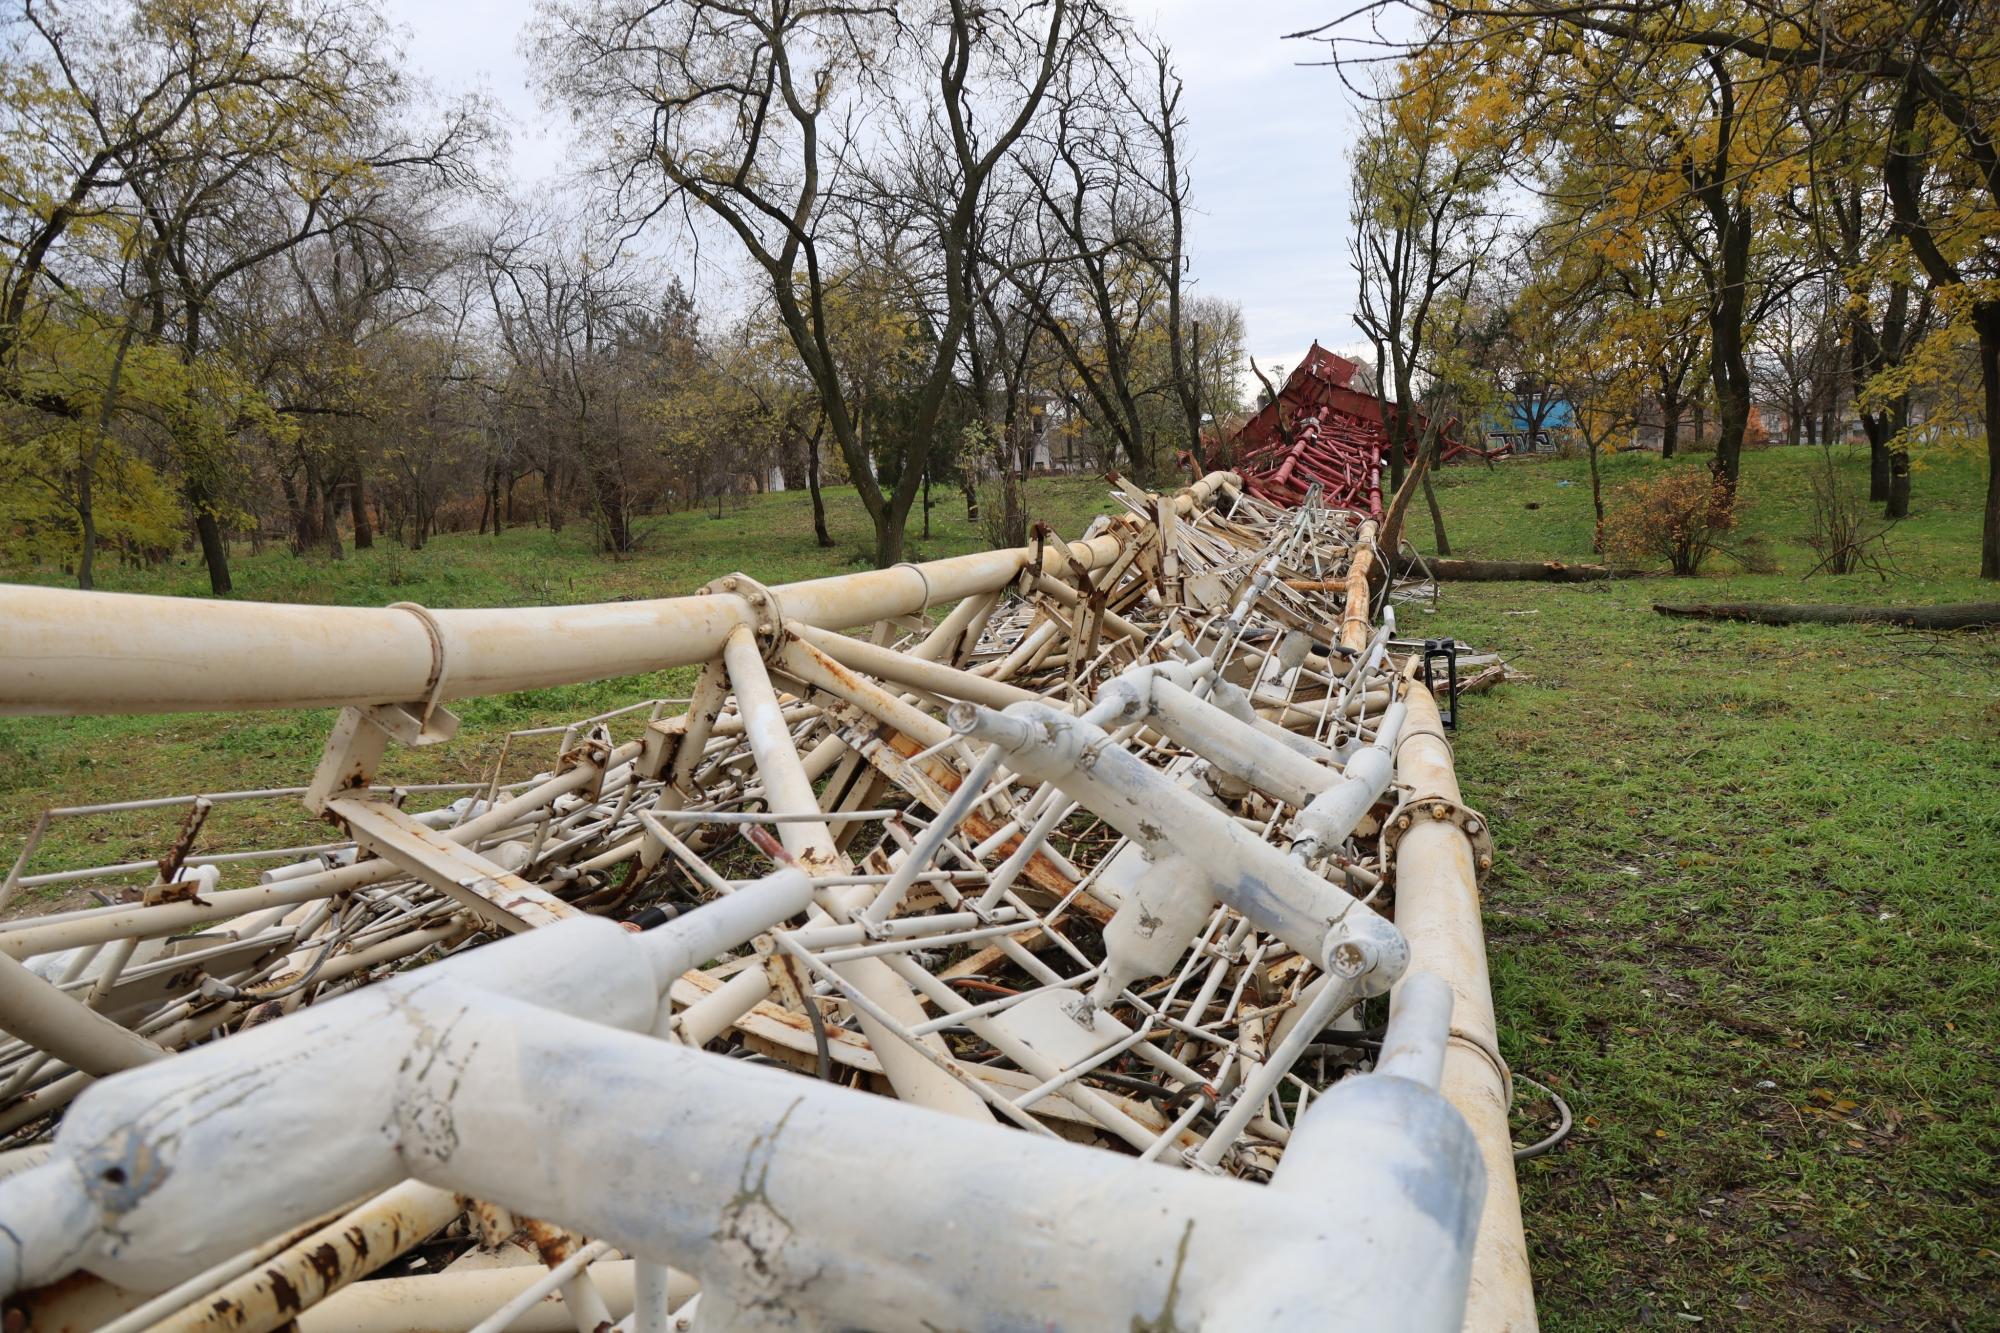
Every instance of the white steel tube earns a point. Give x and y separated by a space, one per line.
529 1296
105 652
1437 908
751 1179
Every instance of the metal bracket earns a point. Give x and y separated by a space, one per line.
361 736
1446 651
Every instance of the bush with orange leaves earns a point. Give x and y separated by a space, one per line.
1679 516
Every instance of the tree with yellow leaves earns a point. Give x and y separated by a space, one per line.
1723 92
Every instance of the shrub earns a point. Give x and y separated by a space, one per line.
1679 516
1842 534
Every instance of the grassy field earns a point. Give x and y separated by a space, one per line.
1743 918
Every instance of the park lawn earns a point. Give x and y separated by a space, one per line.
1742 916
1744 913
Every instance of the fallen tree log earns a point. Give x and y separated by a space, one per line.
1959 615
1511 571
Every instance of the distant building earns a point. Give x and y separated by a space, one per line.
1530 427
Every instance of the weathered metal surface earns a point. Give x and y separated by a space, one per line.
1103 855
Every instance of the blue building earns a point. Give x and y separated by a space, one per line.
1529 425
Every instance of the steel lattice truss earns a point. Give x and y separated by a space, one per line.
1059 892
1323 438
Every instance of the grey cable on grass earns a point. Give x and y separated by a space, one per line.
1561 1131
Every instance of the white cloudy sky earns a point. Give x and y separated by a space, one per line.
1267 137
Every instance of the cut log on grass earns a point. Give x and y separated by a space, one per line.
1512 571
1960 615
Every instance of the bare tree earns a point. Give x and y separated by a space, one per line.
776 120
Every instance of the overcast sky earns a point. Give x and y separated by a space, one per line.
1270 188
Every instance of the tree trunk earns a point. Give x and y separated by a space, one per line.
1670 423
812 484
357 505
1013 512
1732 392
890 535
1963 615
86 473
1518 571
1399 429
1986 319
307 512
86 519
1896 430
214 550
790 464
617 521
1898 505
1878 457
329 521
1437 517
1596 502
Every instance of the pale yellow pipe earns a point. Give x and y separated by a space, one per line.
97 652
1437 909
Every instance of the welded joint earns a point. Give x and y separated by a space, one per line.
592 752
789 984
1436 809
658 746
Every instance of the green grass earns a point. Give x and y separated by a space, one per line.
1731 856
1743 916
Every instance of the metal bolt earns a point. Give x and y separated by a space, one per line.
1350 958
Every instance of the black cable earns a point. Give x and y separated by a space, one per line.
1146 1088
820 1046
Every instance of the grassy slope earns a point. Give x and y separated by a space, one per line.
1743 916
1731 856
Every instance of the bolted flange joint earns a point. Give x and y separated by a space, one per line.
1432 809
767 615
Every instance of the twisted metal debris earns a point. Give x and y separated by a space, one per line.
1093 942
1321 434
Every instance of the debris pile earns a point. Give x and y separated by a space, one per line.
1320 431
1058 893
